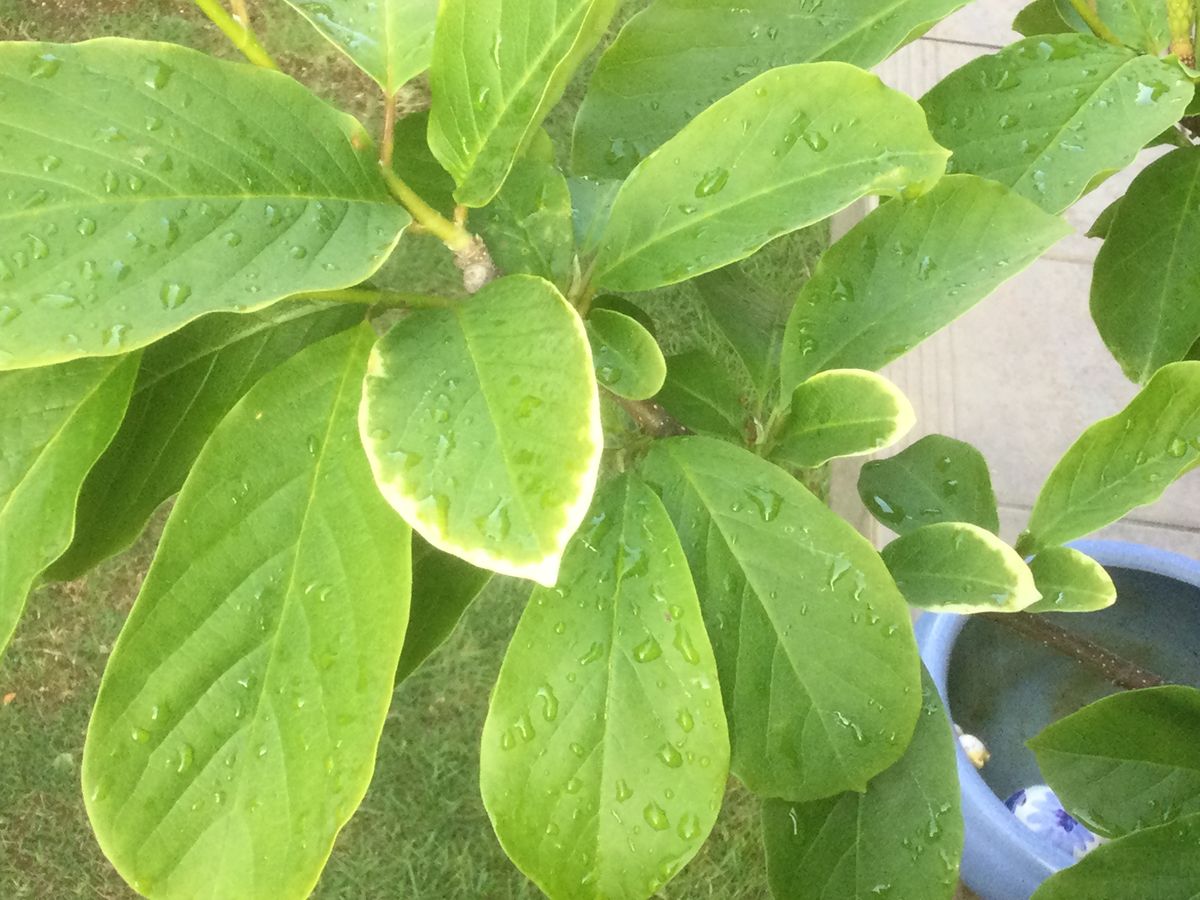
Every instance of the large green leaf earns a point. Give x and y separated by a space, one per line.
482 424
675 58
54 423
818 664
909 269
390 40
186 384
628 359
443 587
148 185
1048 115
1070 582
1126 761
605 751
1144 296
789 148
236 726
937 479
1123 462
957 567
842 412
498 68
1159 862
902 838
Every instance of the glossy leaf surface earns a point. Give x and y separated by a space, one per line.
628 359
186 384
1127 761
482 424
1144 287
54 423
674 59
843 412
498 68
1070 582
937 479
817 660
390 40
789 148
902 837
907 270
1123 462
960 568
1047 115
605 751
153 185
237 721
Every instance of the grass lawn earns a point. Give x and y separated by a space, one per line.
422 831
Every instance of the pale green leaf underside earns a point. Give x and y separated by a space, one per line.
1144 286
937 479
498 67
1141 24
605 751
903 837
54 423
1070 582
390 40
1159 862
628 359
818 664
186 384
789 148
960 568
1125 461
237 721
482 424
1126 761
909 269
148 184
675 58
1047 115
842 412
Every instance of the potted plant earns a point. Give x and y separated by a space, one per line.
193 300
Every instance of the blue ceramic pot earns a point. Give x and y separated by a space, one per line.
1002 859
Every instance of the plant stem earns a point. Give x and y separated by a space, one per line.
388 140
453 236
238 33
240 12
1113 668
1092 19
377 297
1181 16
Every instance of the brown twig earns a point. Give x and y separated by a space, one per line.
652 418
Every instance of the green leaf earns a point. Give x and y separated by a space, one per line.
1123 462
960 568
1144 286
417 166
1156 862
528 225
816 655
909 269
591 205
785 150
55 422
700 394
1126 761
1041 17
937 479
605 751
156 184
443 587
1047 115
674 59
237 721
186 384
903 837
390 40
628 359
482 424
1138 23
498 68
1070 582
1104 221
843 412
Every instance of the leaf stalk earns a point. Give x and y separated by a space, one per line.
240 34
